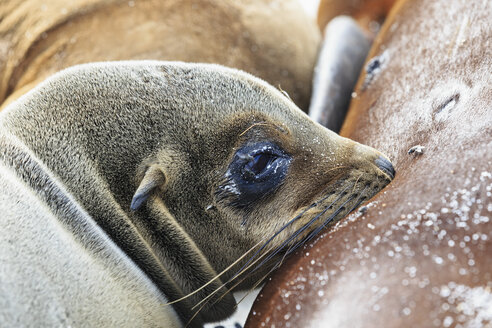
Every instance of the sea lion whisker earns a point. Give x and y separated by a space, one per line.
194 316
217 276
258 283
224 284
297 233
300 230
290 222
228 291
244 269
335 168
252 126
270 240
276 266
317 230
359 200
316 203
356 181
282 259
232 288
204 301
279 231
321 227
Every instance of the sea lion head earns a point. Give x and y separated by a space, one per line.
250 173
203 175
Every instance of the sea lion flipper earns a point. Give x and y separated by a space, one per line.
154 177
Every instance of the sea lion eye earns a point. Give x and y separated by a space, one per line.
257 165
255 172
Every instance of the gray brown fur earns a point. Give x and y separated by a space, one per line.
76 148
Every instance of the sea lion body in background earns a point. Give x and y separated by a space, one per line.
126 185
420 256
38 39
369 14
342 55
348 29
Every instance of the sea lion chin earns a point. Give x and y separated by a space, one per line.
177 181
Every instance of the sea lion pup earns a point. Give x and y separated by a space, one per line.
420 254
39 38
126 185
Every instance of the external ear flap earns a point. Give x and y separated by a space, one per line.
153 178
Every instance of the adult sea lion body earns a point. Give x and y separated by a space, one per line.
127 185
38 38
420 256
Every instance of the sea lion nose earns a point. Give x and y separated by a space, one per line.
385 166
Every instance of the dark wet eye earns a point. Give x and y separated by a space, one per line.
257 164
255 172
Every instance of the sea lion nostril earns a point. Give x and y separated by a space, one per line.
385 166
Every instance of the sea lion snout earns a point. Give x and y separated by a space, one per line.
328 176
373 162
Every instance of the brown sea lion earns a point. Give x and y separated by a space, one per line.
127 185
369 14
40 38
419 255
